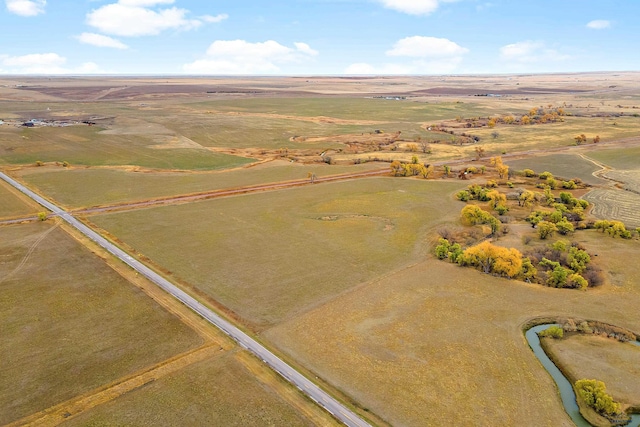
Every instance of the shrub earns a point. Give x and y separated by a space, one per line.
528 173
594 394
554 331
545 175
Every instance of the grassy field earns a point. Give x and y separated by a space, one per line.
89 187
215 392
618 158
436 344
353 108
268 256
562 165
13 205
70 323
615 204
514 139
85 145
604 359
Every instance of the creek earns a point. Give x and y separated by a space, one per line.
567 394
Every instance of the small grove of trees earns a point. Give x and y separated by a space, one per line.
473 215
490 258
415 168
594 394
563 265
613 228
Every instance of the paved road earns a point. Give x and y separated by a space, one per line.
313 391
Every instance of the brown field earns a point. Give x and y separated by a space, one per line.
434 342
70 323
13 205
215 391
604 359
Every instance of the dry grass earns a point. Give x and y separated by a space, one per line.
70 323
13 205
268 256
217 391
604 359
89 187
438 344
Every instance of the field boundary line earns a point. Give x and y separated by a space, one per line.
166 301
61 412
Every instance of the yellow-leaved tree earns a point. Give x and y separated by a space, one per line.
490 258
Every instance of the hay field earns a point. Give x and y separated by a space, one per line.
268 256
566 166
12 205
70 323
604 359
615 204
436 344
214 392
80 187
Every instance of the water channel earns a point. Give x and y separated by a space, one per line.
566 390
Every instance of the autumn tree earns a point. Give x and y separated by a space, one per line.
493 259
479 152
582 138
594 394
503 170
546 229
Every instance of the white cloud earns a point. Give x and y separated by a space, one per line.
214 19
43 63
428 55
599 24
101 41
133 18
414 7
242 57
426 47
26 7
530 52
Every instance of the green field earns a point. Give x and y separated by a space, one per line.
85 145
352 108
89 187
565 166
604 359
618 158
268 256
214 392
70 323
12 205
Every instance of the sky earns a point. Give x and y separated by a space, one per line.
317 37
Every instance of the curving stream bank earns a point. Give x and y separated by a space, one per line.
564 386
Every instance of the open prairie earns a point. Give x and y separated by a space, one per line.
338 277
268 256
71 324
216 391
69 186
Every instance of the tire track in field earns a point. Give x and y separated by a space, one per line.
26 257
64 411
